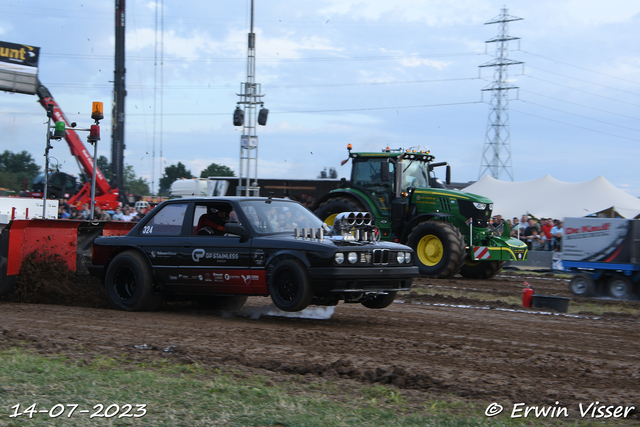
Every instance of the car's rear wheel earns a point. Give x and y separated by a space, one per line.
380 300
129 283
289 286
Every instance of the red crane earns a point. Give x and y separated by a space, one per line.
106 196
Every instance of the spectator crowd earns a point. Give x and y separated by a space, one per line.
120 213
539 235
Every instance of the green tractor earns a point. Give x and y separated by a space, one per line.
449 230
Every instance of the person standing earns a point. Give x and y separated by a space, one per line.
556 236
547 225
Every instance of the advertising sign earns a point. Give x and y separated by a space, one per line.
19 67
597 240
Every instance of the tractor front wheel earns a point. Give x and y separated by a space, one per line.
439 249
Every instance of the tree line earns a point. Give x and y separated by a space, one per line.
17 171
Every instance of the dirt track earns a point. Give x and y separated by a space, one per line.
433 345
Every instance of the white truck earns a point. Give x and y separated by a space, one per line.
199 187
605 255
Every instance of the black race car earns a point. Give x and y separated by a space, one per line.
218 251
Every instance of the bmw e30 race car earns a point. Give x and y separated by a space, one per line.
219 251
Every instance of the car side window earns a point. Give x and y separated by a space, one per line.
210 219
167 222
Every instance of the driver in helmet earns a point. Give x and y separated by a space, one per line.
213 222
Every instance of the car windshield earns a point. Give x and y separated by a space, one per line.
278 216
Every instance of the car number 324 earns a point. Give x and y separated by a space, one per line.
219 251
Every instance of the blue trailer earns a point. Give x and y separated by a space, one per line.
604 254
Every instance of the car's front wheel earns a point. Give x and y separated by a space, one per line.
289 286
129 283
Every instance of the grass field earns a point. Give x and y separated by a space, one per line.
97 391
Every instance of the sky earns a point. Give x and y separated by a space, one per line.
374 74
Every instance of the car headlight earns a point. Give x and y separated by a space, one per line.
352 257
407 257
491 206
480 206
400 257
339 258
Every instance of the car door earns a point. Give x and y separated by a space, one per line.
214 264
160 237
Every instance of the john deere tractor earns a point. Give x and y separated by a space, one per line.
449 230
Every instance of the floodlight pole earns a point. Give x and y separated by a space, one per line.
250 95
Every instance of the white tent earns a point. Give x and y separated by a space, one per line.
549 198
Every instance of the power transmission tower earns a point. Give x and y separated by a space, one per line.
496 157
250 97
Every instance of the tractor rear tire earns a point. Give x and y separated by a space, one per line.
439 248
328 210
481 270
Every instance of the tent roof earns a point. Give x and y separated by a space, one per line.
547 197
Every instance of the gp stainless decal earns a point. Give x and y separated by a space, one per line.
200 253
197 254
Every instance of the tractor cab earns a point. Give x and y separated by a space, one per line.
376 178
392 174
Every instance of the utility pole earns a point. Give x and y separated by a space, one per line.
250 96
496 158
119 92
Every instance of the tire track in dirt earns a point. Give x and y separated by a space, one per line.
477 353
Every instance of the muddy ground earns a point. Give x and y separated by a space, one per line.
427 346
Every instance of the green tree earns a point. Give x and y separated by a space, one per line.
215 169
135 185
172 173
105 167
15 168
